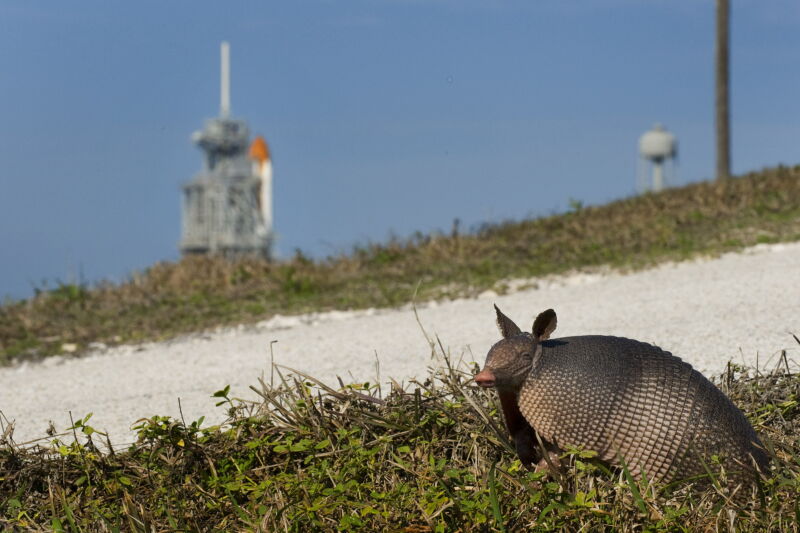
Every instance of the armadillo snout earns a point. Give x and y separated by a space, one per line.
485 378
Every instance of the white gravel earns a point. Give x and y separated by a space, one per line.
742 307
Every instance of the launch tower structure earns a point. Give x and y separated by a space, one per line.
227 207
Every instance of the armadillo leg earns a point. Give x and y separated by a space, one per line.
525 444
518 427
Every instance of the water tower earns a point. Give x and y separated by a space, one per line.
227 207
660 148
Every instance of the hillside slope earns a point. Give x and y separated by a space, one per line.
199 293
741 307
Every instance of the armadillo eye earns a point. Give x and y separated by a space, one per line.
526 355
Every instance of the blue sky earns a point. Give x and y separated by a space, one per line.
383 116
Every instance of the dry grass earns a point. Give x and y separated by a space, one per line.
198 293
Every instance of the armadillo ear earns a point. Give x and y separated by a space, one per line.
506 325
544 325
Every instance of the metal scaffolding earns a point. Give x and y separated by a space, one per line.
222 211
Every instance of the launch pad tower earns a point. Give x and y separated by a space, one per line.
227 207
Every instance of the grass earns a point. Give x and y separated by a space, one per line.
199 292
428 457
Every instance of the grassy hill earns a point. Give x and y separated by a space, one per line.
433 457
198 292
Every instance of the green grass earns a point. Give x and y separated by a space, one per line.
198 292
431 457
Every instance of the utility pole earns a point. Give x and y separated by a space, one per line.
722 97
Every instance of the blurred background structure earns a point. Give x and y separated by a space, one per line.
227 208
658 150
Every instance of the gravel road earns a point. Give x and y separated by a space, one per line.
741 307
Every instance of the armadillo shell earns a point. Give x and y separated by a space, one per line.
631 400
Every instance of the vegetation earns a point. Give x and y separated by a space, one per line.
200 292
432 457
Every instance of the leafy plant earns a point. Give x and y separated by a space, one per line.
432 457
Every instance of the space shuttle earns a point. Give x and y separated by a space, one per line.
262 167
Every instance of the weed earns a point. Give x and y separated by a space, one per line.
430 457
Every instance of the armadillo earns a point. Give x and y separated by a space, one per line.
626 400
